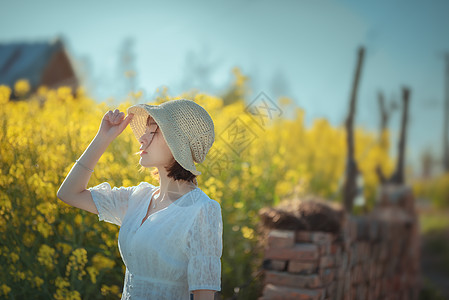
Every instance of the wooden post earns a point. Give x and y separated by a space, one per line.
384 117
398 175
446 119
349 187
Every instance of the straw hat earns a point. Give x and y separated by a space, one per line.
186 126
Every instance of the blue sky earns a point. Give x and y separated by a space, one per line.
310 46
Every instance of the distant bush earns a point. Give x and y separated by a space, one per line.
435 189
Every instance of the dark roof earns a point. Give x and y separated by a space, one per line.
26 60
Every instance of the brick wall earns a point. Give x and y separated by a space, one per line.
375 256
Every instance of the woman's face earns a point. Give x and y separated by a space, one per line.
155 151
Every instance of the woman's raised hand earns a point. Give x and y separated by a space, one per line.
113 124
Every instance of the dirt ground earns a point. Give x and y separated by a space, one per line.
434 224
434 265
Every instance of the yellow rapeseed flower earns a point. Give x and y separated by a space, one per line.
28 238
284 101
5 289
45 229
77 261
238 204
21 87
64 92
38 281
20 275
65 248
80 92
42 90
247 232
14 257
93 272
61 282
62 293
46 256
108 290
137 94
74 295
78 219
101 262
5 93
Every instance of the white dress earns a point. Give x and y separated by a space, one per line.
176 250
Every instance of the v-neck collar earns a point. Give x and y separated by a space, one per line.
140 224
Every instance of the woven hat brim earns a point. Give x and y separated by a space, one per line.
178 144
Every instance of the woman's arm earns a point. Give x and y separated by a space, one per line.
73 189
203 295
78 178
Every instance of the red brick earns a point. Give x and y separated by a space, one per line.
281 238
344 260
335 248
327 275
331 290
338 259
324 247
314 236
379 270
303 236
340 273
292 280
295 266
272 291
354 292
356 273
362 291
347 283
351 229
278 265
340 290
327 261
377 287
303 251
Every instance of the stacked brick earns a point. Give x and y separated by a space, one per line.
371 258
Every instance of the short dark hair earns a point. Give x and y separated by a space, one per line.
177 172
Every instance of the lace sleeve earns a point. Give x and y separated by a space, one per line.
111 204
204 248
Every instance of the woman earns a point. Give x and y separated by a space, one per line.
170 236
